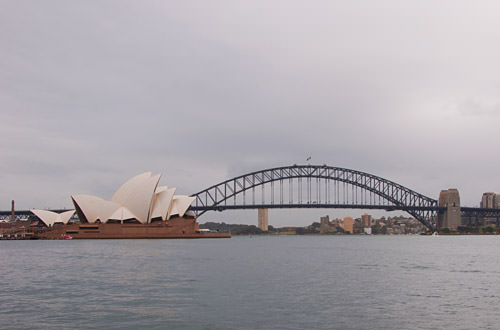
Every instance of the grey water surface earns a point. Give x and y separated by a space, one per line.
298 282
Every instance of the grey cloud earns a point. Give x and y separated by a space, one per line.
93 93
475 108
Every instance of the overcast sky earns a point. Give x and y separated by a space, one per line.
95 92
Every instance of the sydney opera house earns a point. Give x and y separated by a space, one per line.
138 209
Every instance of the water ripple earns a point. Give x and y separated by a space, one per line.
263 283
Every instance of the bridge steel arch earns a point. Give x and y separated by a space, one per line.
393 195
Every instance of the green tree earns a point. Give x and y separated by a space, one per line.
376 229
246 230
488 229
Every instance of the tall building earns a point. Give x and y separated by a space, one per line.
263 219
366 220
324 224
489 200
349 224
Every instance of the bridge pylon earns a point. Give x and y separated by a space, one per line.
451 216
263 219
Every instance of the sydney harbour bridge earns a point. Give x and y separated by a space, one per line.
321 186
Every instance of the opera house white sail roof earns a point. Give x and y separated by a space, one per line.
50 218
140 198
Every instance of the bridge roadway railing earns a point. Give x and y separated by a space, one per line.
465 211
310 206
479 212
23 214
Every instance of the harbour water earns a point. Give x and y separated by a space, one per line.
299 282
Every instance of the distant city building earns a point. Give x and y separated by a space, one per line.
263 219
489 200
324 224
366 220
349 224
336 222
289 229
